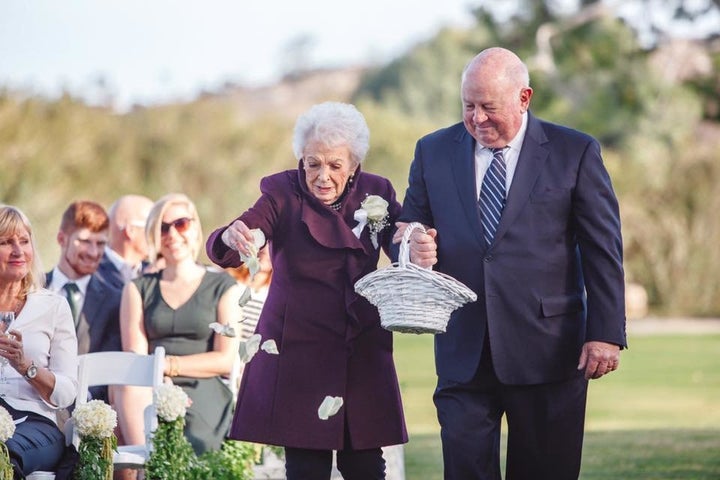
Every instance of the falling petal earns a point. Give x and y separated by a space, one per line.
220 329
245 297
270 346
249 348
329 407
253 265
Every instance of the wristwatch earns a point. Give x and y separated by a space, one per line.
31 371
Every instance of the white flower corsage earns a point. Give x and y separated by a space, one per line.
373 212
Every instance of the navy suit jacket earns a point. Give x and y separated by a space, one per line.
101 313
109 272
552 278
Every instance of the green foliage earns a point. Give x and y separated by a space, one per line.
95 460
6 470
233 461
172 456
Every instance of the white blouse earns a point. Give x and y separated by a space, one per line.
48 336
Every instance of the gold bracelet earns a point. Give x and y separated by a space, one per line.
174 365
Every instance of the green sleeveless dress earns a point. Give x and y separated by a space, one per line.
184 331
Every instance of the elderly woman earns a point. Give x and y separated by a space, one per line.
329 340
173 308
40 350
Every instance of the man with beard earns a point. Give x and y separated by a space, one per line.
95 304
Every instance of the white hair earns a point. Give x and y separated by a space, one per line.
333 124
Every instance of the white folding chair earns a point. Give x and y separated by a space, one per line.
123 368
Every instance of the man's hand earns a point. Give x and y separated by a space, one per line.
598 359
423 249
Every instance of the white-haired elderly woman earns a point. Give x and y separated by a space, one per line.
326 222
173 308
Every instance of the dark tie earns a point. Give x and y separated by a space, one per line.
492 195
72 293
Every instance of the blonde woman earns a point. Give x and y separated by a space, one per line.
173 308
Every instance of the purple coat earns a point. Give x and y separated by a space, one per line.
329 338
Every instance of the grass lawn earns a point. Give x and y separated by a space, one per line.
657 417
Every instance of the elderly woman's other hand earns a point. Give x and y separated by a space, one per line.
238 237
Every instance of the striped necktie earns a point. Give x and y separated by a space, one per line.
492 195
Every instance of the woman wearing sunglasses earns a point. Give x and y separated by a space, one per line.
173 308
327 222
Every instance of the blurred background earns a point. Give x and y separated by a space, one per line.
99 99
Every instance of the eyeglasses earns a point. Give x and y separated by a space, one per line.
181 225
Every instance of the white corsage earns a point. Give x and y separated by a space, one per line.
373 212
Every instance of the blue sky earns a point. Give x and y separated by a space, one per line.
158 50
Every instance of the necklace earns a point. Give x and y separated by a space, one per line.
336 206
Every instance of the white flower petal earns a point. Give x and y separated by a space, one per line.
220 329
259 237
250 347
329 407
270 346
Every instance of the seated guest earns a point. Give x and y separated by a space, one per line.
126 251
173 308
39 346
94 303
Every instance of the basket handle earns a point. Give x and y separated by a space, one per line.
404 257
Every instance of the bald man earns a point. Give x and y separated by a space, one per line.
127 247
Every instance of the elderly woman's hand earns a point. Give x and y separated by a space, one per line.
238 237
423 249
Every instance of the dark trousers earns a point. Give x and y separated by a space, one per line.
545 427
37 444
306 464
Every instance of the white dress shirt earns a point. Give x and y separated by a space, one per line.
484 156
48 337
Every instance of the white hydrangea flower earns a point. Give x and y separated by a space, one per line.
329 407
270 346
249 348
7 425
170 402
95 419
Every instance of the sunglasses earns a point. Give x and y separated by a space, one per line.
181 225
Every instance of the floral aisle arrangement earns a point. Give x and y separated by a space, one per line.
172 456
95 422
7 429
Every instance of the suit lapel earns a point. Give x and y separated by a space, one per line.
463 162
530 163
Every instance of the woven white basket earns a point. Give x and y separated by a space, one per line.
412 299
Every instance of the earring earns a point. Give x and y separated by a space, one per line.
350 180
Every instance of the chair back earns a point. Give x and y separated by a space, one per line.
122 368
119 368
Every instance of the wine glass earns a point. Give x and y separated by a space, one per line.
6 318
